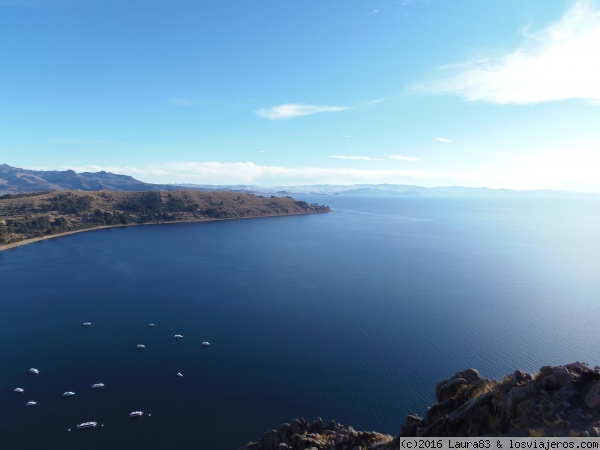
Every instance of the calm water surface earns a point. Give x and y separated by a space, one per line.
352 316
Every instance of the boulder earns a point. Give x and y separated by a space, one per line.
515 396
471 375
592 398
448 388
563 376
549 382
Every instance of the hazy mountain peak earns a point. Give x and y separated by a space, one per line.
15 179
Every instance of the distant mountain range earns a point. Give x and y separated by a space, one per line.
14 180
389 189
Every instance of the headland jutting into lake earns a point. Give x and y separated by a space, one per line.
555 401
26 218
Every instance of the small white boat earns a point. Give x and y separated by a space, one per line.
178 336
179 374
34 370
206 344
68 394
97 385
151 325
87 324
31 403
87 425
141 346
136 414
19 390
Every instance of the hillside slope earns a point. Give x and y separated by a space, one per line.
33 216
16 180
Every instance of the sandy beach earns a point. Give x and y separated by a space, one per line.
52 236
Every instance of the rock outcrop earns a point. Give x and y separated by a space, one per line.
556 401
301 434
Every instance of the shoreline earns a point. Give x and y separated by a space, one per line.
12 245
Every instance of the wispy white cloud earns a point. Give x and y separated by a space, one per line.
362 158
559 62
179 101
291 110
444 140
404 158
366 103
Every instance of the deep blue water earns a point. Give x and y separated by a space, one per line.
353 315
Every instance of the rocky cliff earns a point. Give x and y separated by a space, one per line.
301 434
555 401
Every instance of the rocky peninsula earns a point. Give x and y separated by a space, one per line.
29 217
555 401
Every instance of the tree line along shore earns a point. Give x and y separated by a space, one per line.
30 217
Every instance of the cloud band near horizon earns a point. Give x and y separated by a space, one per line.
211 172
554 172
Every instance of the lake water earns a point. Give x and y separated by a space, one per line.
353 315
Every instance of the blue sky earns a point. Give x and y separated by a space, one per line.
280 92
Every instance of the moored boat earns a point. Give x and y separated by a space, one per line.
206 344
178 336
97 385
141 346
18 390
87 425
136 414
87 324
68 394
32 403
34 370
